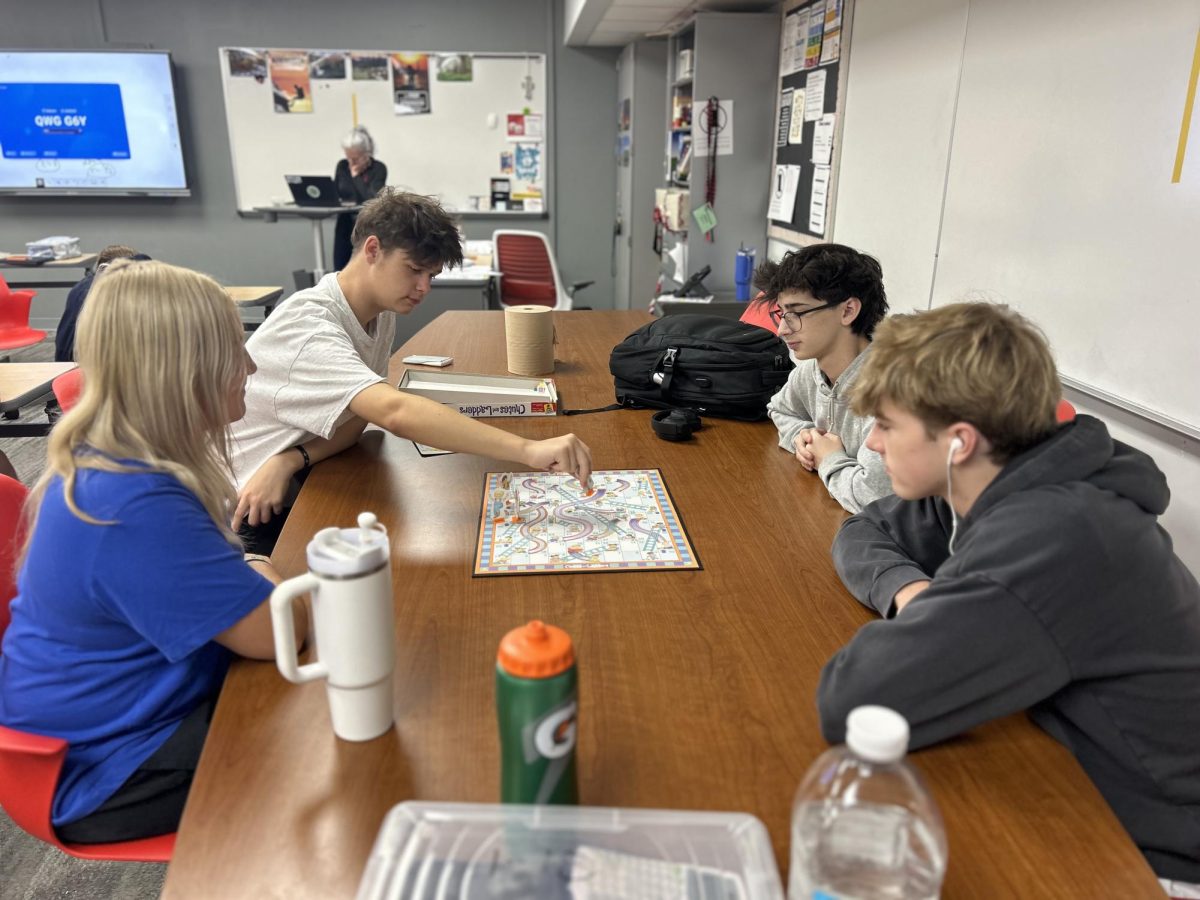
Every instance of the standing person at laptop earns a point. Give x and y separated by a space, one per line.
359 177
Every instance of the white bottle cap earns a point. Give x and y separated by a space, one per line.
877 734
348 552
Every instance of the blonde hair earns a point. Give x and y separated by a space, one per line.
968 362
160 348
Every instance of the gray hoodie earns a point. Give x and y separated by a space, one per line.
854 478
1064 598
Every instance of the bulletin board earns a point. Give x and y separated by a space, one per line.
813 48
444 124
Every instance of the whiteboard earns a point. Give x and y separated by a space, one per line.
1059 197
450 152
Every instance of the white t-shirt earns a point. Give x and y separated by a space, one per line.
313 357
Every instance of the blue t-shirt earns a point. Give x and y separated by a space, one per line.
111 642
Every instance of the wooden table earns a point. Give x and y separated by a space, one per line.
22 383
246 297
696 688
83 261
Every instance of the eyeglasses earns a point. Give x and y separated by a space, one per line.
795 318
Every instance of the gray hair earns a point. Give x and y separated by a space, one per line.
359 139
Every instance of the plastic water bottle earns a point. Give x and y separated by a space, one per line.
864 825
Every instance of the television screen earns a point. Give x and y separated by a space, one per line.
89 122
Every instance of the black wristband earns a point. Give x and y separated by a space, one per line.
304 453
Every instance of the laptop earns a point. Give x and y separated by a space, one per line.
313 190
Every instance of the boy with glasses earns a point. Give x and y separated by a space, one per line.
322 360
1021 566
826 301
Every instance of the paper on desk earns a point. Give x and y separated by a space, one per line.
783 193
823 139
820 198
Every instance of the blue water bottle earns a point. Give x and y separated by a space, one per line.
743 271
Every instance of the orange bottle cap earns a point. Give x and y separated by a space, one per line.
536 650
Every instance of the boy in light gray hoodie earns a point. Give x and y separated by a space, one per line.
826 301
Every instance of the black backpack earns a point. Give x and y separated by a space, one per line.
714 365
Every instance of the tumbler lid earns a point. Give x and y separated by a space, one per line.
536 650
349 552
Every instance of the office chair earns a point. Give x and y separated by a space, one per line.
529 273
14 319
30 764
1064 412
67 388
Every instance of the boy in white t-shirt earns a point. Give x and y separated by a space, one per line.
322 360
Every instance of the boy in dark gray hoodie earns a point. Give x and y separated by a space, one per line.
1021 566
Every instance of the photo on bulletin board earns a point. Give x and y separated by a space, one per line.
290 81
369 66
410 83
244 63
454 67
327 64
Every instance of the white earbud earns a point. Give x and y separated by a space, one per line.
955 446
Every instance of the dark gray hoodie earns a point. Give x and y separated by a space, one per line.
1063 597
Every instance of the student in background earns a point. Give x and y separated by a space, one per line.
133 595
322 370
1021 566
359 177
64 336
826 301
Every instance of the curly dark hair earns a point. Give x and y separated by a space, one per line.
412 223
832 273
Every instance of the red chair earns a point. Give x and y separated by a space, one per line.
14 319
529 274
1064 412
67 388
30 764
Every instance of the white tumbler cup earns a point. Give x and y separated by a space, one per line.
350 582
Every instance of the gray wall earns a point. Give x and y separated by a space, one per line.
205 232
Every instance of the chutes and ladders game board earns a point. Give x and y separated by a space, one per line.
538 523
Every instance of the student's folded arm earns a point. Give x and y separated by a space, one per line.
253 636
428 422
855 481
264 492
964 652
891 543
789 415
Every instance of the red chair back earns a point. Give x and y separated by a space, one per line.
12 501
527 272
30 764
14 321
1065 412
67 388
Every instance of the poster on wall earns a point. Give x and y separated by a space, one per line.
327 64
247 63
369 66
410 83
455 67
816 29
289 81
524 126
527 162
506 162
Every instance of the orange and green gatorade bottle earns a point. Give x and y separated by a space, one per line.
537 702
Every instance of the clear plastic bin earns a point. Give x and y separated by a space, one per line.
464 851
